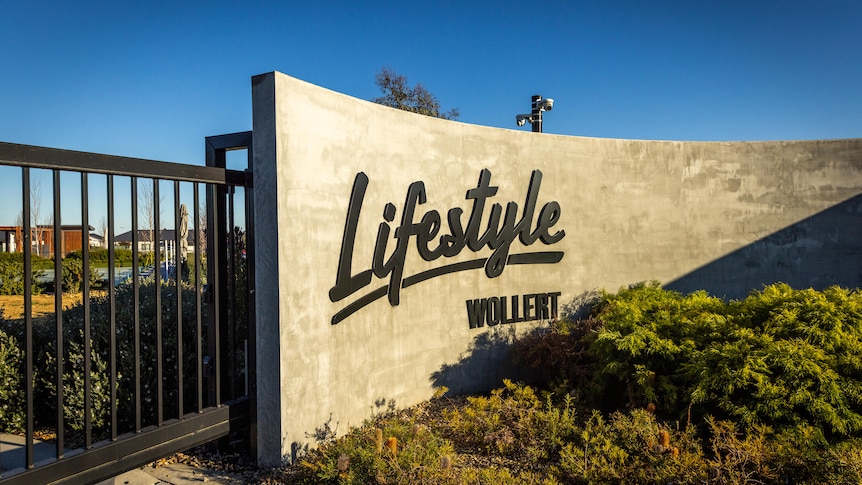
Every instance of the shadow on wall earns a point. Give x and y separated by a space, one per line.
483 366
820 251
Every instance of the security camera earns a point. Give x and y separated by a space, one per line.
523 119
546 104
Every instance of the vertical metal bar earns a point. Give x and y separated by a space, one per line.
213 290
157 273
251 370
58 310
136 305
112 308
215 267
230 327
198 320
85 300
178 279
28 316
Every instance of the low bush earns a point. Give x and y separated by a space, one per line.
631 448
514 421
38 262
780 357
45 343
73 390
73 321
646 338
772 381
385 450
73 275
99 256
464 446
12 278
559 354
11 383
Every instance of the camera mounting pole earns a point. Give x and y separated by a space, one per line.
537 113
539 105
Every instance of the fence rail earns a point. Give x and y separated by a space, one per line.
75 161
137 370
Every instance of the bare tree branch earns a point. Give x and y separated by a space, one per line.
398 94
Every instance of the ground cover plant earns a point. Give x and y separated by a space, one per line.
652 386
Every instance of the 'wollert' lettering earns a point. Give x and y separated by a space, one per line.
432 242
504 309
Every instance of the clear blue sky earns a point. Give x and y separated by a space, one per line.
152 79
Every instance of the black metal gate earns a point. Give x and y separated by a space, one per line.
156 359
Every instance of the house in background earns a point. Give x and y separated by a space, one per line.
166 241
71 240
9 238
42 238
97 240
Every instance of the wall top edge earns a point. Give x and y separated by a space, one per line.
521 133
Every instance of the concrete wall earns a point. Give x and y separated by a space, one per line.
727 217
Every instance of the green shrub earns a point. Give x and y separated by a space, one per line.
12 277
125 338
844 464
631 447
44 344
774 381
559 354
487 421
647 336
767 390
513 420
496 476
794 357
628 448
11 383
99 256
781 357
37 261
385 450
738 458
44 335
73 390
73 275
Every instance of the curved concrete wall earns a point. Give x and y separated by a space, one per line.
340 334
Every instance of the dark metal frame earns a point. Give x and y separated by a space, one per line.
222 414
221 200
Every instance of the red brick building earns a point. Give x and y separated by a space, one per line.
42 238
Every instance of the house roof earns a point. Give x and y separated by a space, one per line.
144 235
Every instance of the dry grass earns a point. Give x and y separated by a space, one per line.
13 305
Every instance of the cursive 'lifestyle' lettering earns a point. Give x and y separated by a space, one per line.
503 228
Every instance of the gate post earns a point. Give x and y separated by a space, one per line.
270 445
221 292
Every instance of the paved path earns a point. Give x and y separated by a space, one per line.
12 457
173 474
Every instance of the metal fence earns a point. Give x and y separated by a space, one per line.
125 370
